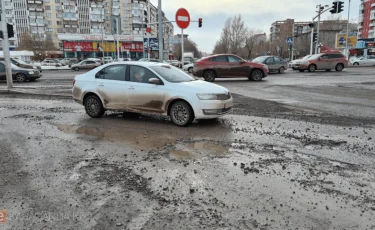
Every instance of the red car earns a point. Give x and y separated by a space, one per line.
228 66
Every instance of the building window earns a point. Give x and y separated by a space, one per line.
57 1
11 43
59 22
59 15
57 8
49 23
48 15
48 8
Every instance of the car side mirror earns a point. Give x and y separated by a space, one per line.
242 61
319 58
154 81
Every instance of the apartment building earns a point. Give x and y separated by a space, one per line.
367 19
88 28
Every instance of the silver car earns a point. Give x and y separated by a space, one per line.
88 64
275 64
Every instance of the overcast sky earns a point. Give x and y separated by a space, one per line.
258 14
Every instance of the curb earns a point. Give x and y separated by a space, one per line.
13 92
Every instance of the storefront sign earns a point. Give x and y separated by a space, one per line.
97 37
365 43
131 46
78 46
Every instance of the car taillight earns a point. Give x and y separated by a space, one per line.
74 81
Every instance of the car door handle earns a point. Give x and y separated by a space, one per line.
131 87
101 84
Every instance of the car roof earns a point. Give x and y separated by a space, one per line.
139 63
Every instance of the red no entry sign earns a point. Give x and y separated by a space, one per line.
182 18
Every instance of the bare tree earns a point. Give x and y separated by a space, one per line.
189 46
34 43
232 38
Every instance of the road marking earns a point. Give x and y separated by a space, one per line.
183 18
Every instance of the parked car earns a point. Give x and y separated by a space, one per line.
275 64
175 63
295 63
66 61
147 87
23 64
87 64
185 63
94 59
50 63
124 59
324 61
19 74
73 61
228 66
189 67
106 60
363 61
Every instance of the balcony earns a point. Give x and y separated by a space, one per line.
371 24
39 9
40 17
372 17
8 7
67 26
32 24
373 5
32 16
39 2
32 9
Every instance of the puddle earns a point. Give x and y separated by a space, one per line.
198 150
121 135
209 147
180 154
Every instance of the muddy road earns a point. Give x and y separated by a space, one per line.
296 153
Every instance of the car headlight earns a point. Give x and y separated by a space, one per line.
265 66
31 72
207 96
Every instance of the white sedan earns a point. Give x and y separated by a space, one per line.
295 63
363 61
147 87
189 67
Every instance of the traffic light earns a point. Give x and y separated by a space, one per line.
340 7
10 31
315 37
337 7
200 22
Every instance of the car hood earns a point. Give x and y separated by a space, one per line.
199 86
296 61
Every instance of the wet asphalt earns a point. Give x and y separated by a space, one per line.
297 152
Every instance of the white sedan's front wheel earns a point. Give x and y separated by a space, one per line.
181 113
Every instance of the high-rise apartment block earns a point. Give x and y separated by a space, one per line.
367 19
87 28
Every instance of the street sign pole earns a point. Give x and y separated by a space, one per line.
6 47
347 33
312 39
182 49
183 21
148 33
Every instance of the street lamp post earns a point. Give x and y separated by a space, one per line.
347 33
160 23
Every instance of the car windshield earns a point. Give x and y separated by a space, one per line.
306 57
172 74
315 56
260 59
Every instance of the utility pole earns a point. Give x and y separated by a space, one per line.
6 47
102 18
118 38
148 34
292 47
347 33
312 38
160 22
143 31
318 32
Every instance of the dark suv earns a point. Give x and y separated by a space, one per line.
324 61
